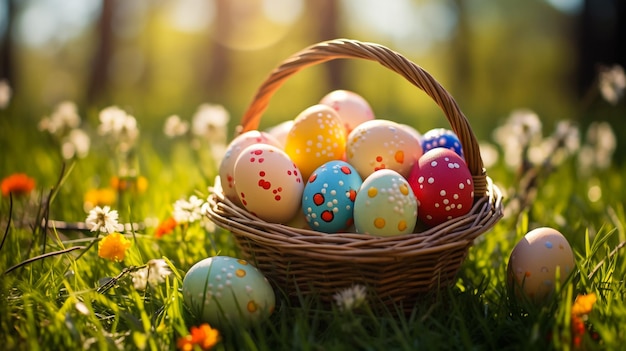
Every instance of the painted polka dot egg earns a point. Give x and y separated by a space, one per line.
224 291
328 198
268 184
441 137
234 149
534 262
316 137
382 144
385 205
443 186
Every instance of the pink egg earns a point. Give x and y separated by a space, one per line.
443 186
351 107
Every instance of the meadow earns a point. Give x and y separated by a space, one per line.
63 287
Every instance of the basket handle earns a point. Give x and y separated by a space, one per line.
346 48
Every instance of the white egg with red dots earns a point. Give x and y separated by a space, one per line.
540 259
329 195
268 184
226 291
382 144
443 186
385 205
351 107
227 165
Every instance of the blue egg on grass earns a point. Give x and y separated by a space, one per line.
442 137
328 197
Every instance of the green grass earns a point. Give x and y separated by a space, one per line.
77 300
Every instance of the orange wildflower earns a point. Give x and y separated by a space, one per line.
581 308
100 197
137 184
165 227
17 184
113 247
203 336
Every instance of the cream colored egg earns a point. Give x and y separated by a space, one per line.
535 261
227 165
316 137
382 144
268 183
351 107
280 131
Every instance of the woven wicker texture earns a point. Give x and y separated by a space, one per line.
398 268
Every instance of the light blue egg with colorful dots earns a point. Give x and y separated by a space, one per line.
328 197
442 137
227 291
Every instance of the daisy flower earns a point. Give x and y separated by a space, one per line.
350 298
174 126
17 184
113 247
103 219
154 273
188 211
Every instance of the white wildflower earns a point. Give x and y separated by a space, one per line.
211 122
117 124
612 82
5 93
599 147
63 119
103 219
174 126
522 129
154 273
76 144
188 211
350 298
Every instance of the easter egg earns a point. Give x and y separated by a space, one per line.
382 144
280 131
443 186
316 137
268 183
534 262
351 107
227 165
441 137
385 205
329 194
224 291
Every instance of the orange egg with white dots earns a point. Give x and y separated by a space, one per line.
223 291
542 259
385 205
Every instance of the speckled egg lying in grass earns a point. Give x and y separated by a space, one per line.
534 261
223 290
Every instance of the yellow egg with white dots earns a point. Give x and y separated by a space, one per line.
316 137
224 291
385 205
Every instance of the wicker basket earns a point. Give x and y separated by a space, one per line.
398 268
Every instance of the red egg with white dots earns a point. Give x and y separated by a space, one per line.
443 186
268 183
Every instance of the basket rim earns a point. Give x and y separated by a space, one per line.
458 233
348 48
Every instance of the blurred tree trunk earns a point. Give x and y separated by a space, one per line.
601 38
6 47
326 15
461 49
99 79
219 66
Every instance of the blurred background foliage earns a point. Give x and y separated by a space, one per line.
164 57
